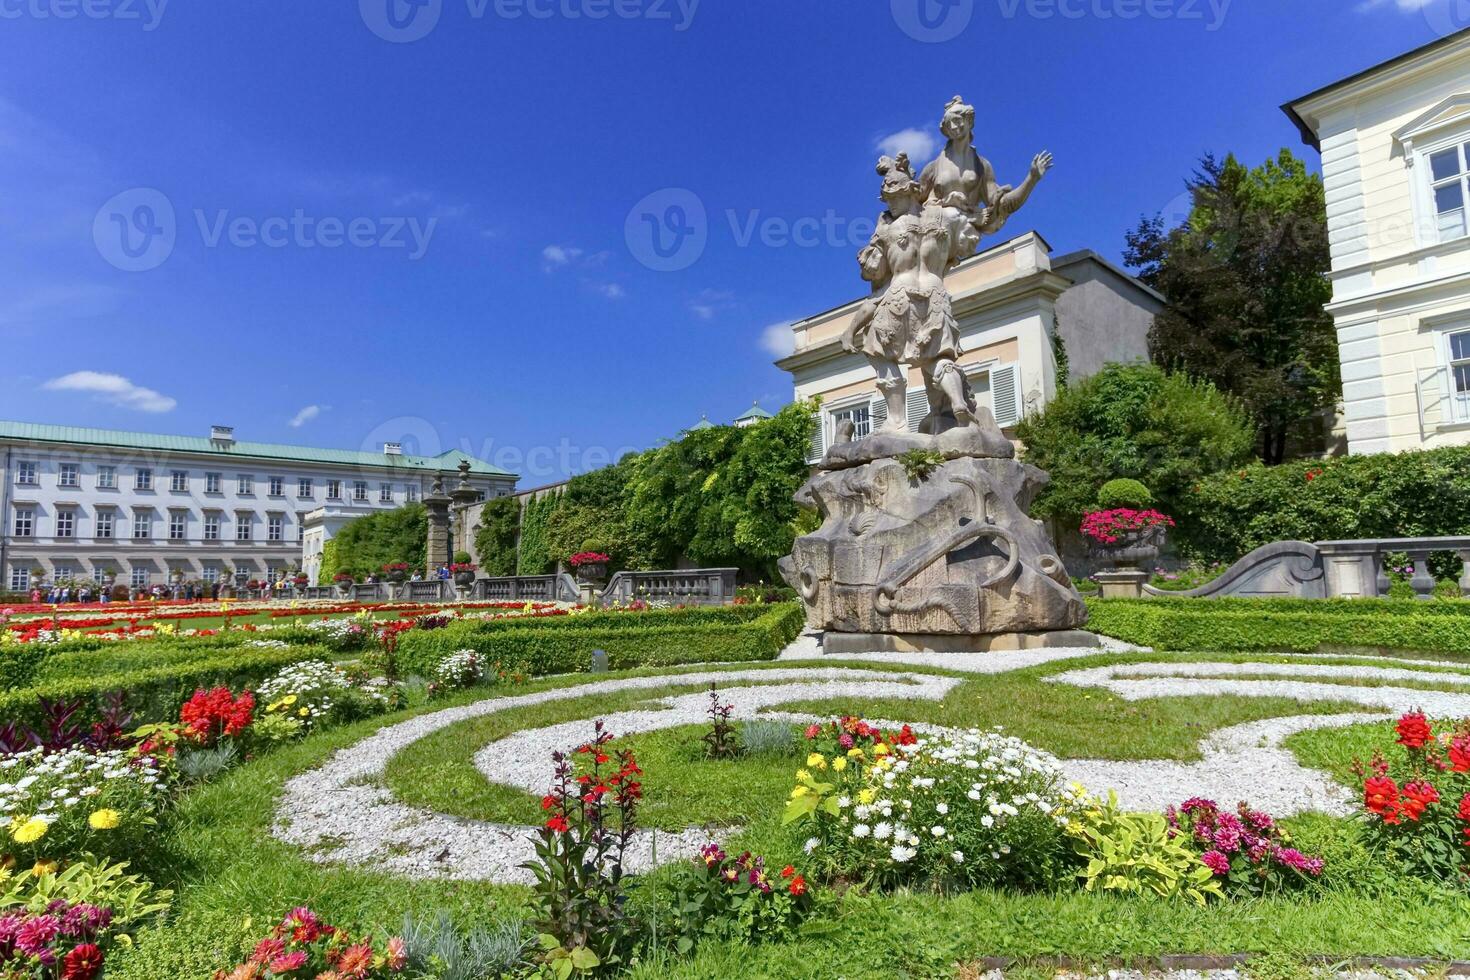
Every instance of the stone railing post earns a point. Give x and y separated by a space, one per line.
1423 580
1465 578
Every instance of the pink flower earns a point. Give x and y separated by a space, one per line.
397 954
287 962
1216 862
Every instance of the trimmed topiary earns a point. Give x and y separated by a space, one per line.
1123 493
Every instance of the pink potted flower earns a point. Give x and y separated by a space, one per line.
590 566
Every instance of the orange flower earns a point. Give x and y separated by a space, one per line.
797 886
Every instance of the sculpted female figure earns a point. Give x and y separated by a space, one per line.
908 319
963 182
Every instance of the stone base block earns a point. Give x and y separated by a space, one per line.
1122 583
842 643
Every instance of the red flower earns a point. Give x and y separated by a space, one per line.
267 950
797 886
287 962
210 715
1460 753
558 824
1381 796
787 871
83 963
1417 796
1414 730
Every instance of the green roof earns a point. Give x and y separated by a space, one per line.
703 423
756 412
446 461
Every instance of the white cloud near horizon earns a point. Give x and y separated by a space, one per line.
919 144
304 416
778 340
556 256
1403 6
113 389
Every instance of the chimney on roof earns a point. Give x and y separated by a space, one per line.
222 434
392 449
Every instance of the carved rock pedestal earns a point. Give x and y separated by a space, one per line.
947 561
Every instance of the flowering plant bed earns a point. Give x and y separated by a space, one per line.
1247 850
1122 524
78 800
588 558
301 945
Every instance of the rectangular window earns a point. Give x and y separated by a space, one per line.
359 490
411 492
107 477
276 528
66 523
20 578
242 527
858 415
211 574
142 525
211 527
385 493
334 489
62 571
99 574
178 481
278 486
1460 374
25 473
244 485
140 578
178 525
70 475
25 522
211 483
1448 175
303 487
143 479
104 523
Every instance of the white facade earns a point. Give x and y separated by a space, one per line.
90 504
1395 144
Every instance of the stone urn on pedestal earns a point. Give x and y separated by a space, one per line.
590 567
343 582
464 572
1122 539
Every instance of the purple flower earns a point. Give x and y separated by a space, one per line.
36 934
1216 862
1292 858
1227 833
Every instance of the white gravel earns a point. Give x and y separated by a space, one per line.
808 646
340 812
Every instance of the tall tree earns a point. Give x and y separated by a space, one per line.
1246 281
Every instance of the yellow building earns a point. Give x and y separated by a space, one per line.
1395 145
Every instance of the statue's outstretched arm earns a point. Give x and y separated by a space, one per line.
1006 201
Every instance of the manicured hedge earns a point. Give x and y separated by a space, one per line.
1345 607
613 619
1212 626
156 691
29 664
539 647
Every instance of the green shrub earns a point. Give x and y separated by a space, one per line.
1136 854
1123 493
1213 625
1383 495
534 649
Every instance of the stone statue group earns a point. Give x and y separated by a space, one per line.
932 223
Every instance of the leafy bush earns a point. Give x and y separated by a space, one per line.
719 897
1132 421
563 645
1137 853
1211 624
495 537
1383 495
387 537
1124 493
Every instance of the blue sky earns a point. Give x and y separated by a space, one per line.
310 222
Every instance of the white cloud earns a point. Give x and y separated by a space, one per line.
702 311
113 389
710 302
556 256
1404 6
919 144
304 416
610 289
778 340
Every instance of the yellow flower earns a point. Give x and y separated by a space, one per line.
880 749
289 699
854 753
303 712
867 795
43 868
798 792
803 774
30 831
839 763
816 761
104 820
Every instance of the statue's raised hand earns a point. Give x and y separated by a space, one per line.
1040 164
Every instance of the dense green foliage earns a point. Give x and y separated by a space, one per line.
495 536
368 543
1246 277
1134 421
1207 625
329 563
565 645
717 497
1415 494
1123 493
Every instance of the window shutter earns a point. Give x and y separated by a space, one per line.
917 404
1005 393
877 413
818 447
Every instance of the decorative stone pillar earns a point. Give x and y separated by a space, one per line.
1121 583
1423 580
437 504
1465 578
463 496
